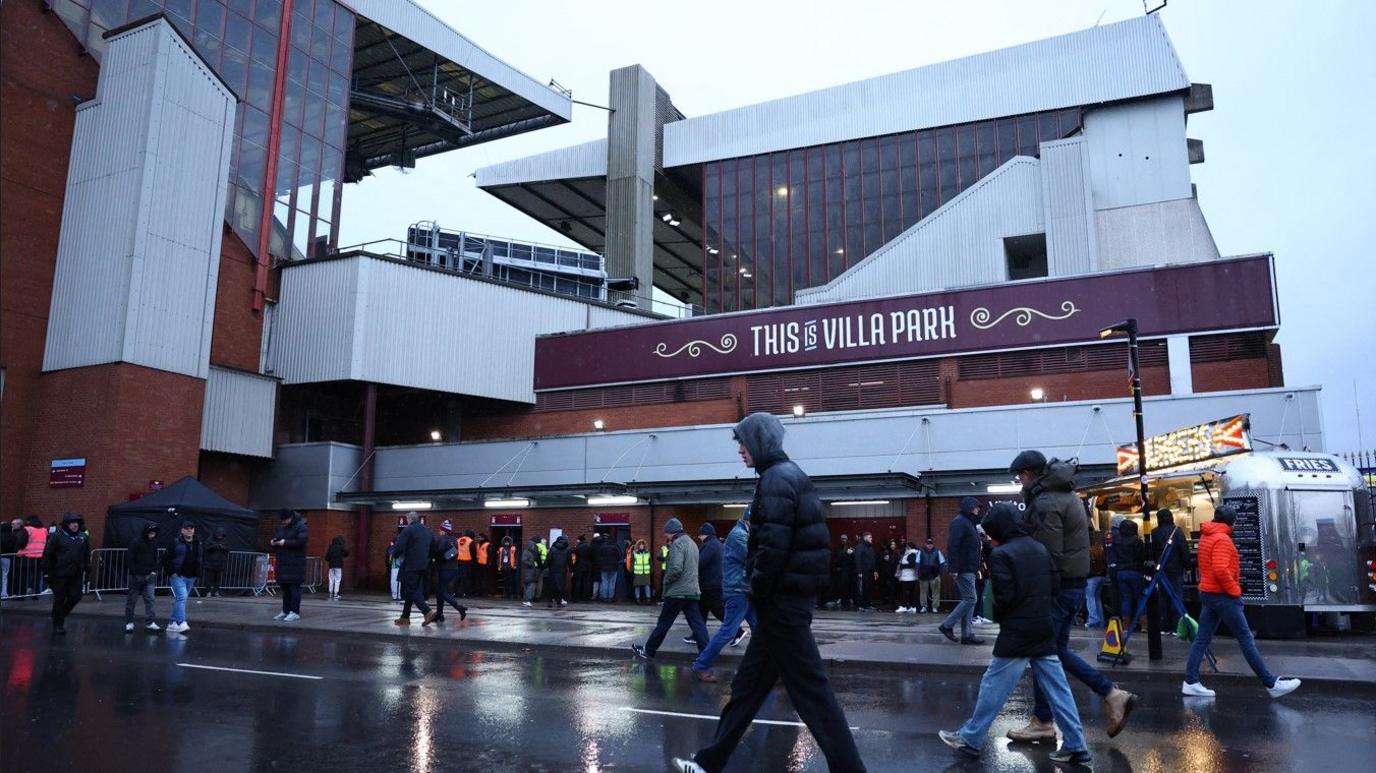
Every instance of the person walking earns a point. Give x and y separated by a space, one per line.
930 562
557 572
530 570
786 567
142 564
582 569
182 564
290 541
412 548
1172 570
907 580
334 559
1057 519
1130 554
394 567
735 600
681 593
508 563
216 561
608 562
1220 601
963 556
865 573
1025 583
640 567
1094 584
66 558
709 572
445 553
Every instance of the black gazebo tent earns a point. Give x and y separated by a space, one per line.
186 500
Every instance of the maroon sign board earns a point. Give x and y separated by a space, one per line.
506 519
1218 295
67 473
611 519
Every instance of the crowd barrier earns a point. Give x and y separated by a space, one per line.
245 571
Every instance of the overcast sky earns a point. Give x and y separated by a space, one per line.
1287 169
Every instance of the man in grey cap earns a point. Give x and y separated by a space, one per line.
681 592
786 566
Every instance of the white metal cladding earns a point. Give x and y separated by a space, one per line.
138 252
1163 233
588 159
389 322
306 476
1070 239
959 244
239 412
1138 153
921 441
1114 62
414 23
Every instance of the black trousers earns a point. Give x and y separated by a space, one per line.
413 592
782 649
66 594
291 597
212 580
582 585
710 602
444 591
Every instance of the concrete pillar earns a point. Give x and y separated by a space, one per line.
1178 355
632 140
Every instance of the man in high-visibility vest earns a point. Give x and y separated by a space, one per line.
466 563
482 554
508 564
640 573
544 563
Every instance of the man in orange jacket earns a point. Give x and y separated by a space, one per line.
1220 600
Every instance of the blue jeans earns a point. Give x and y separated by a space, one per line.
1063 610
181 588
737 608
965 584
607 590
1095 606
1213 609
998 683
4 577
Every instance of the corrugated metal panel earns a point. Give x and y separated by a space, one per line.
1138 153
305 476
372 319
588 159
239 412
1166 232
1114 62
959 244
1070 240
138 254
413 22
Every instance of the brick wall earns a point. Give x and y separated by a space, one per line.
1085 385
1234 374
43 69
228 475
236 339
527 423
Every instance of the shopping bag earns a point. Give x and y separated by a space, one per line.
1187 628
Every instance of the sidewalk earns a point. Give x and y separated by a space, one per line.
846 639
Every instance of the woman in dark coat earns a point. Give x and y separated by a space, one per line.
290 542
557 562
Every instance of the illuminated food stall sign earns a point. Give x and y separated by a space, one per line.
1191 444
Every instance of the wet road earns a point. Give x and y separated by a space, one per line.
100 700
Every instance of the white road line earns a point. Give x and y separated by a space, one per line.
251 671
715 718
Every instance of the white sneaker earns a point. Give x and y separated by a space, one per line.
1283 687
686 765
291 617
525 603
1198 690
128 627
279 616
153 627
183 627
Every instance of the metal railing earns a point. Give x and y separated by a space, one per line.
22 577
245 571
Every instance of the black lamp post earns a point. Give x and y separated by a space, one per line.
1129 326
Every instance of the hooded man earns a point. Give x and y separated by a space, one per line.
1057 519
290 542
963 548
216 560
66 559
1167 534
557 566
709 571
182 562
786 566
142 562
681 592
736 607
1220 601
1025 580
842 573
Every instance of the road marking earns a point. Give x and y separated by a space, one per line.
714 718
251 671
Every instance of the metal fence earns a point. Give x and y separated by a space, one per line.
245 571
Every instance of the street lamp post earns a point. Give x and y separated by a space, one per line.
1129 326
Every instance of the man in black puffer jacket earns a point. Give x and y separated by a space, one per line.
66 559
1026 581
787 565
142 563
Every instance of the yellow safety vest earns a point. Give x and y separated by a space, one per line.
642 562
663 558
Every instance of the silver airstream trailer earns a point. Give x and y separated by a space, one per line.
1305 531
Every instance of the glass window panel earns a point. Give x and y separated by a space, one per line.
245 210
301 11
338 89
318 77
300 235
966 152
781 263
341 56
1048 128
268 13
207 44
210 18
183 26
255 126
259 86
237 31
310 161
71 14
293 101
95 41
265 47
320 43
986 135
313 120
1027 135
324 14
183 8
109 13
797 220
947 173
1008 139
297 63
343 23
761 257
336 124
300 31
242 7
142 9
277 240
252 166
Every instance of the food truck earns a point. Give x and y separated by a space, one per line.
1305 532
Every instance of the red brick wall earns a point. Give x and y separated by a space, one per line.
236 339
531 424
132 424
1235 374
228 475
1085 385
43 68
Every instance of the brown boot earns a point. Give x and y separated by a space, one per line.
402 621
1118 704
430 616
1035 731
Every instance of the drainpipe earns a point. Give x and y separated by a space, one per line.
361 568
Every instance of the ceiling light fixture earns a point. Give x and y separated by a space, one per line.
418 505
506 503
613 500
435 434
598 425
667 216
1003 488
860 502
798 411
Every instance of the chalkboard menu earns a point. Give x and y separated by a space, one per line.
1247 538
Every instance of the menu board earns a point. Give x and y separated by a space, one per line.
1247 538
